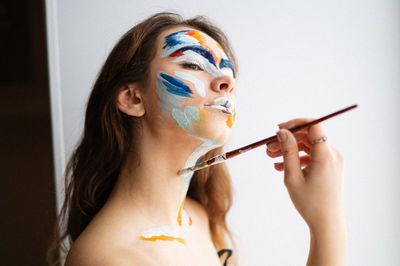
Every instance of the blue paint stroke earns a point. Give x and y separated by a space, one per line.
226 63
168 100
173 39
176 86
176 39
198 85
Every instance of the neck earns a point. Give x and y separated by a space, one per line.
153 188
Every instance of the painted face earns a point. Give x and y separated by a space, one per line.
195 82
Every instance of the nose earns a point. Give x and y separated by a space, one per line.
223 84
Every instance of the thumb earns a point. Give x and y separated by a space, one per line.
290 152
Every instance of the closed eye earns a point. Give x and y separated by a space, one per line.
191 66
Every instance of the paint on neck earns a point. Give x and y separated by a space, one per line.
207 145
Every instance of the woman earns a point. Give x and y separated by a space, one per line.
163 101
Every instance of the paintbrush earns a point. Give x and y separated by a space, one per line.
225 156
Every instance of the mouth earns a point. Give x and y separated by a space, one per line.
224 104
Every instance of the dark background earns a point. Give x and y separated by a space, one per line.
26 163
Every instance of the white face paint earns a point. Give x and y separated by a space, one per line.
207 145
224 104
181 40
193 57
168 100
186 117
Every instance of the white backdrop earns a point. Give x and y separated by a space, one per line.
297 59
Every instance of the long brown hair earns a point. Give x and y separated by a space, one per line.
109 135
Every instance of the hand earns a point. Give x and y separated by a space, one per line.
314 181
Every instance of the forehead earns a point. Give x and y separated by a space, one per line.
178 37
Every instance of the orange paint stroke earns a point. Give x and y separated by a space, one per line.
197 35
162 238
180 213
230 119
190 218
201 38
203 114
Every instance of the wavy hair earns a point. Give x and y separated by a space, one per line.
109 135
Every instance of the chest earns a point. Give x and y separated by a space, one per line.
197 250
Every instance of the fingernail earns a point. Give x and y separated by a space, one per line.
280 125
282 136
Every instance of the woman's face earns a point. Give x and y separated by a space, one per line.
191 83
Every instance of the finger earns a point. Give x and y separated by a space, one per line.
304 147
300 136
273 146
300 146
319 151
304 138
304 162
294 123
290 153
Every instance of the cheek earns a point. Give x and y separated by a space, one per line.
197 83
212 122
176 98
189 116
171 92
173 95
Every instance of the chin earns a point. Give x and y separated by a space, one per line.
215 128
205 123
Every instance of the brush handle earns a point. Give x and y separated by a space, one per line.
295 129
225 156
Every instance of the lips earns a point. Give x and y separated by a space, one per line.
224 104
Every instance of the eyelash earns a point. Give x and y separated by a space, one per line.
190 65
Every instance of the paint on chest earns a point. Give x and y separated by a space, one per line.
163 233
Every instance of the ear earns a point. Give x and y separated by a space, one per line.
130 100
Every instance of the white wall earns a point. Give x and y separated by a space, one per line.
297 59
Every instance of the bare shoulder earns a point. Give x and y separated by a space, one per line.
89 251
